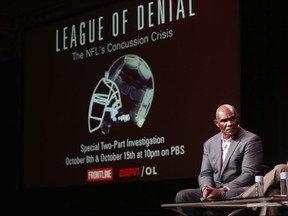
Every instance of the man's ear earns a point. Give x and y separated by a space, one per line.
216 123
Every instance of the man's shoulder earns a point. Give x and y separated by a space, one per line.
214 138
246 133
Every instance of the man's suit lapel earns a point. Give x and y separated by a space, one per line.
231 149
218 151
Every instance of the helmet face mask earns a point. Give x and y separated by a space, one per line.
125 93
105 99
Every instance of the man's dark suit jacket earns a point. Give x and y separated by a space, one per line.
243 161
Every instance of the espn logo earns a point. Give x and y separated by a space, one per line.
128 172
103 174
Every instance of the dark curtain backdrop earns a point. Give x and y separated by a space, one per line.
264 29
264 96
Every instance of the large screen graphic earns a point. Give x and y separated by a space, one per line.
127 92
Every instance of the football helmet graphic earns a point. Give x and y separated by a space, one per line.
124 93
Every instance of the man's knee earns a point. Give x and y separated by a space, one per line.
180 197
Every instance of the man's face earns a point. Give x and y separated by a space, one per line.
227 121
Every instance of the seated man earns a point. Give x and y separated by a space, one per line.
231 159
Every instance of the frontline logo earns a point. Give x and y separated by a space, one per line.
103 174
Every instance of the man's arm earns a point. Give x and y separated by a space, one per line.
251 163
